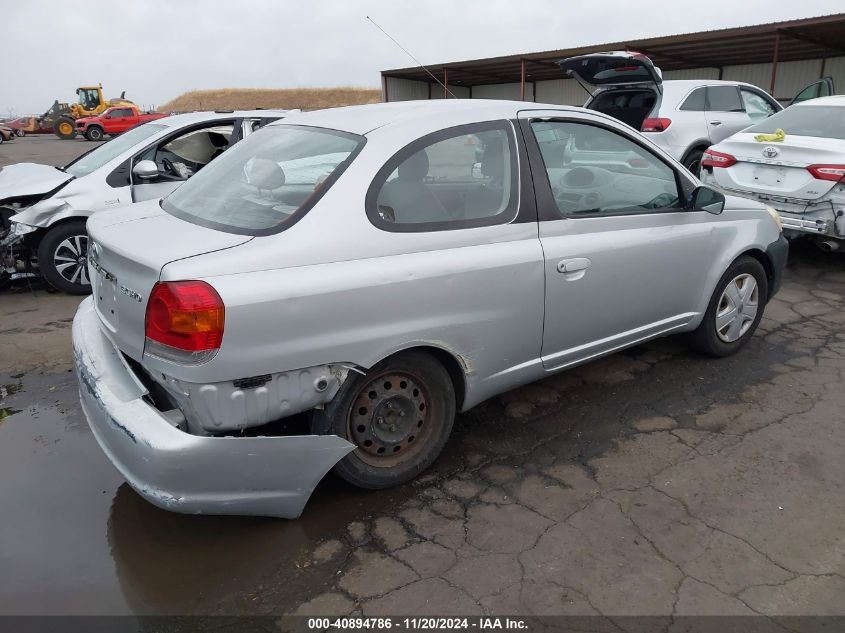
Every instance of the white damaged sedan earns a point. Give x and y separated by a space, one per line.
801 174
379 268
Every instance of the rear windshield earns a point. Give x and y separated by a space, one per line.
806 120
601 71
266 182
110 150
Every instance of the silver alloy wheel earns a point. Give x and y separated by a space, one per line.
71 259
737 308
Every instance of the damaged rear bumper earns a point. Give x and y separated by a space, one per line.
269 476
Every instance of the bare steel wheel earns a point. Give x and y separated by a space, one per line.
399 416
734 311
387 418
737 308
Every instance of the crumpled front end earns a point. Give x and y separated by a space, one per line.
268 476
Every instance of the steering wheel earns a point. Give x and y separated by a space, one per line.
660 201
165 162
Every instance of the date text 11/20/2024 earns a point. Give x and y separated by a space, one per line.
436 623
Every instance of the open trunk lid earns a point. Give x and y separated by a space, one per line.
128 249
778 169
613 68
30 179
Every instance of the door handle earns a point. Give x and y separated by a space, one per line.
573 265
715 123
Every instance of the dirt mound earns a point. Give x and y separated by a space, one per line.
286 98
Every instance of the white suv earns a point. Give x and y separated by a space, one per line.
684 117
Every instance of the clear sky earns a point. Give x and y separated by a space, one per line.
157 49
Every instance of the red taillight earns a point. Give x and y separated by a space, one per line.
655 125
712 158
185 315
834 173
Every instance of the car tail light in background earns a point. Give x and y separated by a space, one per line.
184 321
712 158
834 173
655 125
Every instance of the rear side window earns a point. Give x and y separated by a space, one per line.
805 120
695 100
266 182
724 99
457 178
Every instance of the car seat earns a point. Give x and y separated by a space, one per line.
409 198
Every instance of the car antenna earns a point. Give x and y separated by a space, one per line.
408 53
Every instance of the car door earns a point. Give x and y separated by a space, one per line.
624 259
821 88
725 113
180 156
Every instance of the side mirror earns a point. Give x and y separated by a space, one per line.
107 116
145 169
706 199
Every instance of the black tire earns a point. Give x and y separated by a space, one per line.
94 133
61 129
404 405
706 339
67 242
692 161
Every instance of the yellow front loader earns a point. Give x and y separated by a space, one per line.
62 117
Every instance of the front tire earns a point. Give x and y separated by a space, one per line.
63 258
734 311
65 128
20 133
399 416
94 133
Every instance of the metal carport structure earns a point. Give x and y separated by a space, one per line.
713 54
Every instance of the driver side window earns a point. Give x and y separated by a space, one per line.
595 171
180 157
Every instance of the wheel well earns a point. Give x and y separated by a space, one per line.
453 367
761 257
700 145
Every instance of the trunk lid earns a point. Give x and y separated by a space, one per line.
613 68
128 249
29 179
778 169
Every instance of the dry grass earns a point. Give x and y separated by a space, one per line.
286 98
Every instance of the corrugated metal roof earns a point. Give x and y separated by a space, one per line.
808 38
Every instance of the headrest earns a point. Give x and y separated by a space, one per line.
217 139
264 174
415 167
493 162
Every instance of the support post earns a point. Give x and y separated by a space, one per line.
522 79
775 64
445 83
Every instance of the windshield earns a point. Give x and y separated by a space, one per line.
266 182
805 120
110 150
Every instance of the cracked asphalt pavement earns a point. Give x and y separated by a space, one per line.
651 482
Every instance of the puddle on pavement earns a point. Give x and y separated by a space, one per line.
78 540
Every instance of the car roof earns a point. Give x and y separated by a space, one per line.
363 119
178 120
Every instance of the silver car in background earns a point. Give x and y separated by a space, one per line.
368 267
801 174
43 209
684 117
